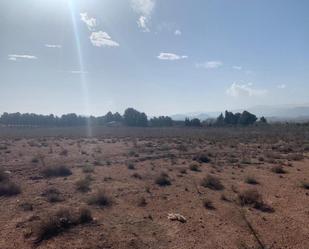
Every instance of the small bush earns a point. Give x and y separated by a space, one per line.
212 182
195 167
251 180
59 171
83 185
3 175
64 152
278 170
305 185
142 202
202 158
54 224
208 204
26 206
88 169
85 216
35 160
8 188
249 197
137 176
52 195
100 198
163 180
131 166
252 197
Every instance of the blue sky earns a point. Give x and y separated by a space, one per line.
159 56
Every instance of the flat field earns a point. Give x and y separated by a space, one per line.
178 188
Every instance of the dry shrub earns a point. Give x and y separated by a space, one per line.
305 185
212 182
163 180
83 185
52 195
56 223
195 167
57 171
3 175
251 197
100 198
278 169
208 204
88 169
202 158
251 180
8 188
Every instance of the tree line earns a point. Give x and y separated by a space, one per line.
131 117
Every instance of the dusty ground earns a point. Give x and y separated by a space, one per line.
129 222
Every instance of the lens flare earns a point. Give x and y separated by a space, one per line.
82 72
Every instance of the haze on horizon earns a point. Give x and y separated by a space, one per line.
159 56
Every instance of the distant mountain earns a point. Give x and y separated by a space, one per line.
181 117
281 111
273 113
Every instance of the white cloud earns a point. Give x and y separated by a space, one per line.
177 32
143 8
89 21
15 57
171 56
237 67
102 39
53 46
282 86
210 64
142 23
244 90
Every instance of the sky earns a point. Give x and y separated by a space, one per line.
161 57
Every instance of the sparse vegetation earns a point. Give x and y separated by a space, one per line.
52 195
88 169
163 180
8 188
202 158
278 170
252 197
83 185
131 166
208 204
53 224
100 198
251 180
195 167
212 182
305 185
56 171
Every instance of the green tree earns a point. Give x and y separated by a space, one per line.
133 117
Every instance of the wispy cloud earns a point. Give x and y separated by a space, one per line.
91 22
143 8
209 64
244 90
171 56
53 46
281 86
239 68
142 23
177 32
102 39
15 57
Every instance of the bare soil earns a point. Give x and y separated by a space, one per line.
125 164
